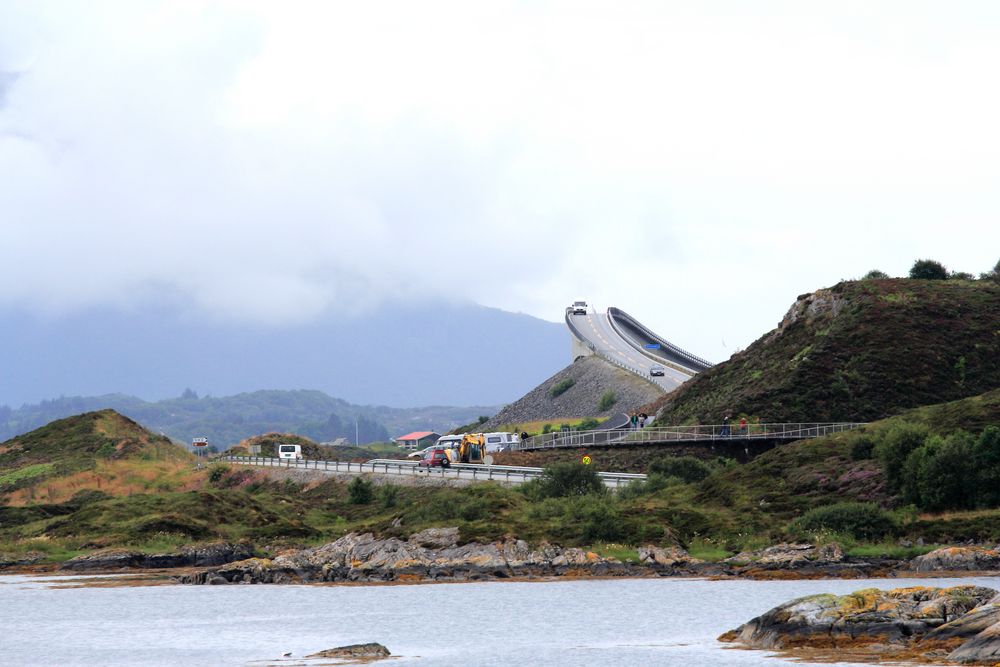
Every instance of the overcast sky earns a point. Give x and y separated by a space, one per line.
698 164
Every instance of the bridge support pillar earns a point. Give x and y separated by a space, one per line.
579 348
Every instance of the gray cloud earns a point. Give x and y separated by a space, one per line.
266 163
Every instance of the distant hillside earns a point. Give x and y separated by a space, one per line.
77 445
858 351
227 420
584 383
402 355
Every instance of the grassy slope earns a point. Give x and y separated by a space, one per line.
78 446
762 496
738 506
859 351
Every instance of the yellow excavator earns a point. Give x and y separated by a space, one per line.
472 448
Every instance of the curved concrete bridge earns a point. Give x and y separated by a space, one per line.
618 337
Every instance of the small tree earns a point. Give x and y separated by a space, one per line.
875 274
608 399
928 269
360 491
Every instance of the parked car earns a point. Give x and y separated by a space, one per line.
421 454
435 457
657 369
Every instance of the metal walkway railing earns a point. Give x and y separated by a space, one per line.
666 435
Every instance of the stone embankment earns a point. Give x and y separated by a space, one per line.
958 624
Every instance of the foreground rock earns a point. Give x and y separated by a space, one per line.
197 556
372 651
957 559
432 554
959 624
20 560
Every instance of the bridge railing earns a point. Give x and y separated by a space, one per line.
679 434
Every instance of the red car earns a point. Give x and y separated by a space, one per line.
435 457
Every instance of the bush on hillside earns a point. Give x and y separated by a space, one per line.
875 274
360 491
582 519
862 521
608 399
993 275
960 471
560 480
928 269
893 448
653 483
687 468
388 495
561 387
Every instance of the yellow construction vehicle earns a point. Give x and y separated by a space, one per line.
472 448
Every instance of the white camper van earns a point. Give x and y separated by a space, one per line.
500 442
293 452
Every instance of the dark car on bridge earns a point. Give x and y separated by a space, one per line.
435 457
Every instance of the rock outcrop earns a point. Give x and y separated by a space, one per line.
370 651
195 556
957 559
961 624
432 554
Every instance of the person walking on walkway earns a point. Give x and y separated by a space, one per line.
634 420
743 426
725 427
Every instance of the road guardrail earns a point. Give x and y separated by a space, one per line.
465 471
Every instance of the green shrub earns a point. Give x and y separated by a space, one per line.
893 448
388 495
360 491
928 269
588 425
106 451
581 519
942 474
561 387
863 448
863 521
565 479
608 399
875 274
216 474
687 468
653 483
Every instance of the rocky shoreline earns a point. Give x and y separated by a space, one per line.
960 624
436 555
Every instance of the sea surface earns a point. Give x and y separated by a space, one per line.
579 622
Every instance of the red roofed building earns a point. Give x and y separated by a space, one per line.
417 439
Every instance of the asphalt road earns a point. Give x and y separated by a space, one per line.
597 329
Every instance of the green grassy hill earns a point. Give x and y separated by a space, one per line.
45 458
858 351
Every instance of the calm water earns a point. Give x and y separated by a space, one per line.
615 622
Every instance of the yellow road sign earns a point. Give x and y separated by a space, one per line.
586 460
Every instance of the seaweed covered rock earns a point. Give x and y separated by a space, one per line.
961 623
958 559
